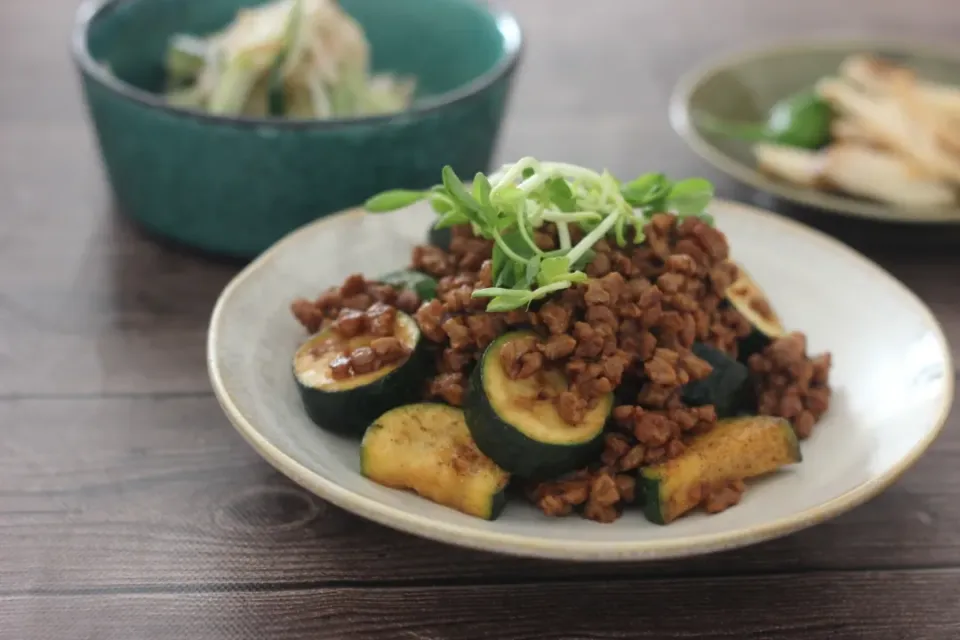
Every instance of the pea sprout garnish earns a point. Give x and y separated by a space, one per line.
509 205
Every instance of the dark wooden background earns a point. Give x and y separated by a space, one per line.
130 509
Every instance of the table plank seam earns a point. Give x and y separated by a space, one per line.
455 583
109 395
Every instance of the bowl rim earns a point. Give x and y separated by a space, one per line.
520 545
514 45
680 117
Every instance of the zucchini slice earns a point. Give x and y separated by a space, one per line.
735 449
349 405
726 388
519 429
423 285
748 298
427 449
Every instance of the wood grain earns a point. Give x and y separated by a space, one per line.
162 491
901 604
130 509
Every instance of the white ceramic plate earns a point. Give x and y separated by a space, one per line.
892 379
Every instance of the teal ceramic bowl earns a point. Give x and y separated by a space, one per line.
234 185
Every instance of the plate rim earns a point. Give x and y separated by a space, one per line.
678 112
526 546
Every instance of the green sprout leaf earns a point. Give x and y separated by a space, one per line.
619 232
584 260
559 193
481 190
503 299
501 277
439 200
530 273
504 223
393 200
440 205
501 304
587 206
506 270
508 199
553 270
690 197
466 202
451 219
519 273
645 189
514 240
502 292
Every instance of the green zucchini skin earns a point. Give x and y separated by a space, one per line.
423 285
517 453
727 387
755 342
349 411
650 498
497 504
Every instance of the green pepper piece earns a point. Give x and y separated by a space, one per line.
801 120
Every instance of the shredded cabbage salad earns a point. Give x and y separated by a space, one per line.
292 58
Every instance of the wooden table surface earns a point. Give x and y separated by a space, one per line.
129 508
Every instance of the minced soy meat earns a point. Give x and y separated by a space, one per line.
628 329
355 293
358 308
791 385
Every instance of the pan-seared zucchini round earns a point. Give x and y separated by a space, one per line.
427 449
349 404
748 298
514 423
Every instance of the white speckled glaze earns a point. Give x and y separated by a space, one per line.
893 386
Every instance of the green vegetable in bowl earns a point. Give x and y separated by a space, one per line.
510 204
276 99
291 58
186 56
801 120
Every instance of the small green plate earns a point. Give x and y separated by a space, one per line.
745 85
